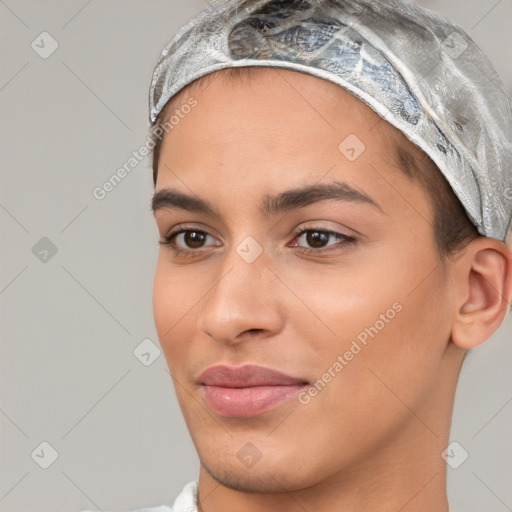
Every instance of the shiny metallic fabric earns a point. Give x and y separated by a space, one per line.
417 69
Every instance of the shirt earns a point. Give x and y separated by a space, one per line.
186 501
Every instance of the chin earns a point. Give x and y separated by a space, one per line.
252 480
277 470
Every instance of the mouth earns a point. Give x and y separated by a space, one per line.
247 390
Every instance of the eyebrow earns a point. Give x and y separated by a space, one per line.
270 204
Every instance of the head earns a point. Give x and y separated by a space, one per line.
372 316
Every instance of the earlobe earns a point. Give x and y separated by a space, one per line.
484 289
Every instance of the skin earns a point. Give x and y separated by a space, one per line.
372 438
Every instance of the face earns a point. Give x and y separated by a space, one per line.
340 289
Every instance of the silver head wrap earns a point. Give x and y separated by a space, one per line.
418 70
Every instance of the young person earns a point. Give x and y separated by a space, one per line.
333 195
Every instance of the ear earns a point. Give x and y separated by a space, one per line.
483 274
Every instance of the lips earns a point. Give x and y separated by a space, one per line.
246 390
246 376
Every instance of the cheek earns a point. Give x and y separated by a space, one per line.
390 345
164 301
386 314
174 299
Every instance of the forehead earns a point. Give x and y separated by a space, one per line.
274 80
281 104
277 130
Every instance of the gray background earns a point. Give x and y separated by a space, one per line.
69 326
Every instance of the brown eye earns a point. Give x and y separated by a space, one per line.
185 241
317 239
194 239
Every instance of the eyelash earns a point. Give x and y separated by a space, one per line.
168 240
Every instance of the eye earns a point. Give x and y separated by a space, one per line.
185 241
318 239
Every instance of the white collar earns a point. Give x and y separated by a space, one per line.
186 501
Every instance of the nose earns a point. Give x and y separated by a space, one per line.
243 302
